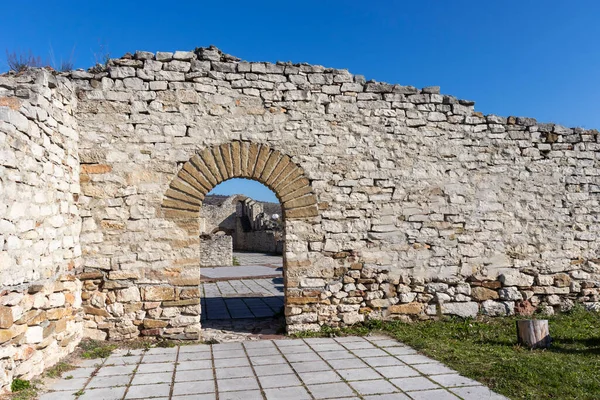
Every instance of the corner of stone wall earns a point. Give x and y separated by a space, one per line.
40 298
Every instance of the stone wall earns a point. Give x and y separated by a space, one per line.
266 241
216 250
417 192
398 202
40 298
220 217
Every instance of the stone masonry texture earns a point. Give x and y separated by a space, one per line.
398 202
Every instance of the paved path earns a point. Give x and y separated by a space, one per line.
258 259
289 369
238 299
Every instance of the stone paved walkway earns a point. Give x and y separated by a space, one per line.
239 299
289 369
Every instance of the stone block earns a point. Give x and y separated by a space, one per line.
158 293
6 317
480 293
413 308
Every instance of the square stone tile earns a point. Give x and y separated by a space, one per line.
162 350
311 366
108 381
287 342
229 354
397 371
227 346
310 378
80 373
400 351
275 381
385 342
232 362
416 359
113 360
369 352
203 396
194 356
454 380
336 355
347 363
196 348
373 387
147 391
194 375
476 393
312 341
127 352
181 388
349 339
382 361
104 394
235 384
301 357
362 345
258 344
433 369
296 349
277 369
118 370
414 383
69 384
241 395
91 363
389 396
267 360
330 390
437 394
158 358
333 346
263 351
156 367
147 379
57 396
198 364
361 374
291 393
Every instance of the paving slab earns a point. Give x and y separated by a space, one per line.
303 369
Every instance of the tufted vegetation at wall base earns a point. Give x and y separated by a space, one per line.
399 203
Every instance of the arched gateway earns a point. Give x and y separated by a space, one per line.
183 199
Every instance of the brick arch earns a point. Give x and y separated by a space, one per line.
237 159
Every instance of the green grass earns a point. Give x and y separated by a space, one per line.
24 390
487 350
58 369
96 349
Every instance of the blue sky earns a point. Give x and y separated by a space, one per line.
537 59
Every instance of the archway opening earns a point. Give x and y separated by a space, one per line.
242 236
183 201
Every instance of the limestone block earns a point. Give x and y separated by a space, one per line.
516 278
480 293
34 334
466 309
158 293
128 295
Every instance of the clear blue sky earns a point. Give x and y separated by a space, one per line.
537 59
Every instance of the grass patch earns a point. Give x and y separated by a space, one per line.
24 390
96 349
487 350
58 369
235 261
